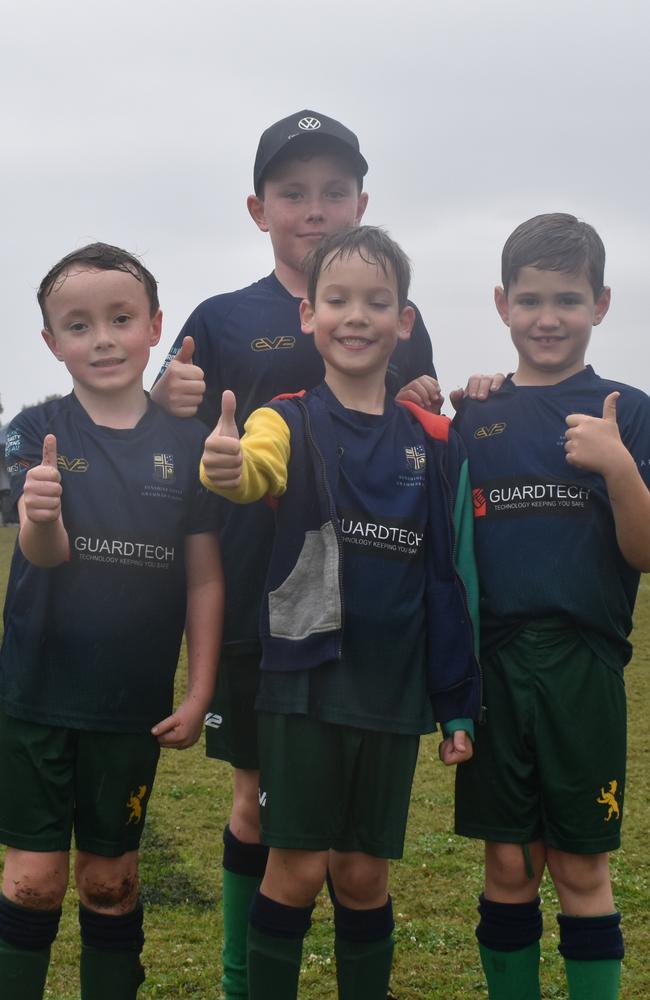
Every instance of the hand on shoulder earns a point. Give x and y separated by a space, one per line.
478 387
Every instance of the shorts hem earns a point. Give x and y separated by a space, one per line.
512 837
497 836
105 850
26 842
239 763
280 842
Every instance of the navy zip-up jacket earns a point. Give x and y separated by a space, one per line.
303 608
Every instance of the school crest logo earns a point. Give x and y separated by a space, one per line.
134 805
163 467
309 124
608 798
416 457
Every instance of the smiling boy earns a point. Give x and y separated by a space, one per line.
117 553
308 181
559 465
366 629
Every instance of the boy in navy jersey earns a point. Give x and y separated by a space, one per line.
308 179
366 631
117 552
559 460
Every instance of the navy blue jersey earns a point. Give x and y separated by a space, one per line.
93 643
545 535
381 502
250 341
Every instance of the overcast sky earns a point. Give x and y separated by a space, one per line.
136 123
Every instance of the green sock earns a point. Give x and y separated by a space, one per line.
238 892
363 968
23 972
107 974
598 980
512 975
273 965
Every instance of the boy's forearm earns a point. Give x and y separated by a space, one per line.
46 545
630 500
204 615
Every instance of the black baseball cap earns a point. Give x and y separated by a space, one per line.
293 129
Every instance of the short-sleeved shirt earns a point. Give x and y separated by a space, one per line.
381 501
250 341
93 643
545 535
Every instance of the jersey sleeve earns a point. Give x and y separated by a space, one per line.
24 448
266 449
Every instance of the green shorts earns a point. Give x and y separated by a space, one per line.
54 779
327 786
549 764
231 723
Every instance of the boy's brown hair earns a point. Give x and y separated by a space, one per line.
555 242
372 244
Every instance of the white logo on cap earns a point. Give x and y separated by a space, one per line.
309 124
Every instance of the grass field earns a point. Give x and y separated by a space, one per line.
434 888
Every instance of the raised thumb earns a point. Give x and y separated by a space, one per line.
49 450
227 426
609 407
186 351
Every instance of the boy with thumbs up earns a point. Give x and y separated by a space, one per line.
366 626
117 553
560 468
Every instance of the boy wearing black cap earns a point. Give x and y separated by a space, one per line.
308 178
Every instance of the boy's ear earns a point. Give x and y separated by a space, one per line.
255 208
362 205
50 340
405 323
602 305
156 328
306 316
501 302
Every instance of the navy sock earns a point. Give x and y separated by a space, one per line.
25 928
363 925
241 858
586 939
508 926
108 932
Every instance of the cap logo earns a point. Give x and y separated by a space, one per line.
309 124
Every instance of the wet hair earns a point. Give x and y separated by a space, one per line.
555 242
372 244
304 148
99 257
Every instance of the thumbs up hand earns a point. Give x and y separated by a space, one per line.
182 387
42 491
594 443
222 454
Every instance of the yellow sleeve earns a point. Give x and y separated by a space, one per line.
266 448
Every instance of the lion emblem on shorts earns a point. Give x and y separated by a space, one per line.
608 798
134 804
